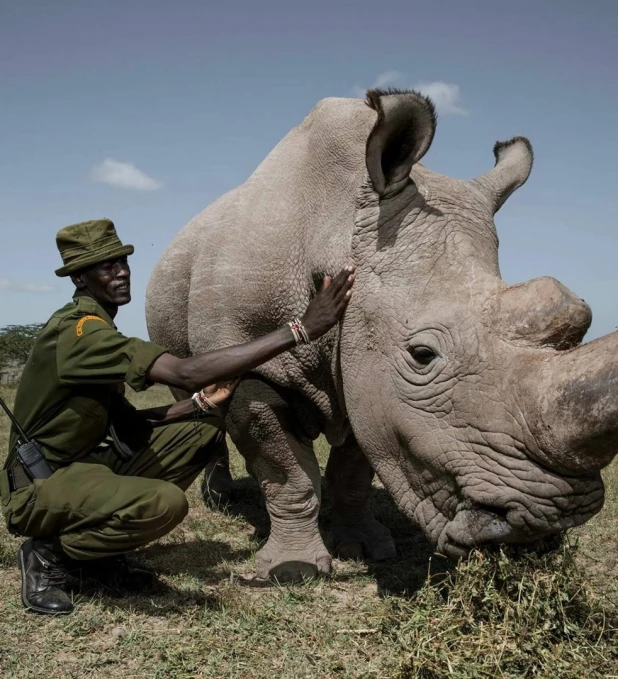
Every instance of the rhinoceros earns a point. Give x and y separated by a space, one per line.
472 400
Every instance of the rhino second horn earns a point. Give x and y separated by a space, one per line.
514 160
539 313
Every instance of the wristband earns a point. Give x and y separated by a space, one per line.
298 330
202 402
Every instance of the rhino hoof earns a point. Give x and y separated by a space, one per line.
350 551
368 539
293 571
358 551
289 568
217 489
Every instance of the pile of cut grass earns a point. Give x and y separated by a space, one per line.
508 614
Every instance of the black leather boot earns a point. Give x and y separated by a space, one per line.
43 577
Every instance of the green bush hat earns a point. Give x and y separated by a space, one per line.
87 243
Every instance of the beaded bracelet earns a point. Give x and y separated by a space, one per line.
202 402
298 330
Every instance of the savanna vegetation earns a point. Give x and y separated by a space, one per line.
549 613
16 342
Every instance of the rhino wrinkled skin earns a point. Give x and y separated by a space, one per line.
474 402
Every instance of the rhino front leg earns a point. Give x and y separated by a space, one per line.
261 424
354 530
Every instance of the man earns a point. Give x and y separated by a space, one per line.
119 474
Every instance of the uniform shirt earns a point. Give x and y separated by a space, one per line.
73 376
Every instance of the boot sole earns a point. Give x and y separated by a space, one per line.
36 609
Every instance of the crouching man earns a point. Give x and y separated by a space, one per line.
119 474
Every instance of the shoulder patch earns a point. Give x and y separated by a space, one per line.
79 328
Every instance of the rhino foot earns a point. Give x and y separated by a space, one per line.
367 538
292 565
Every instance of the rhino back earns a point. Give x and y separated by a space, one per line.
251 260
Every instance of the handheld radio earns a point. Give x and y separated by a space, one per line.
28 451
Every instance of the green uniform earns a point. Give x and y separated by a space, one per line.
70 390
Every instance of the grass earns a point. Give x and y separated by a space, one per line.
497 614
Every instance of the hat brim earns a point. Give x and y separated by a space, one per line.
84 262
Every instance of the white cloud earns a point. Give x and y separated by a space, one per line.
387 78
445 96
123 176
8 286
383 80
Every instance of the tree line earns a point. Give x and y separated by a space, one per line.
16 342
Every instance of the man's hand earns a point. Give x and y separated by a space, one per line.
326 308
185 410
217 393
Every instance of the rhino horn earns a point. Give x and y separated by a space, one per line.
577 422
401 136
539 313
513 164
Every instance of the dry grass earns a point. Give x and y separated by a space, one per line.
496 615
503 614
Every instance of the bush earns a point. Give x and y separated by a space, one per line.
16 342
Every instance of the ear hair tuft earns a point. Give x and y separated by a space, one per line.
373 100
501 146
512 168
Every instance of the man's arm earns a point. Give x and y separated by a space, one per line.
185 409
175 412
191 374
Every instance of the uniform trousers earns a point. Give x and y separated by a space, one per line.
104 506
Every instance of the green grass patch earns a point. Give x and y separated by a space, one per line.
508 614
500 614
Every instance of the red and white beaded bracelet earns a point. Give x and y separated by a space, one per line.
298 330
202 402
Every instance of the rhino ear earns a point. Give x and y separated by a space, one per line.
514 160
400 137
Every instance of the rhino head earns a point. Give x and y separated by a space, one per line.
473 400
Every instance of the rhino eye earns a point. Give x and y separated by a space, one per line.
422 355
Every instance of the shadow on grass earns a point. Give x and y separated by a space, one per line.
248 504
402 576
197 559
416 558
161 599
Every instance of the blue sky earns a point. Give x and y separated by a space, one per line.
145 111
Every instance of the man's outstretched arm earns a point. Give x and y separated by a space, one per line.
324 311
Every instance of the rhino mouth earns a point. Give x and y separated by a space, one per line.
473 527
505 514
479 525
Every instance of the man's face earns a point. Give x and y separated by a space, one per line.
109 282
